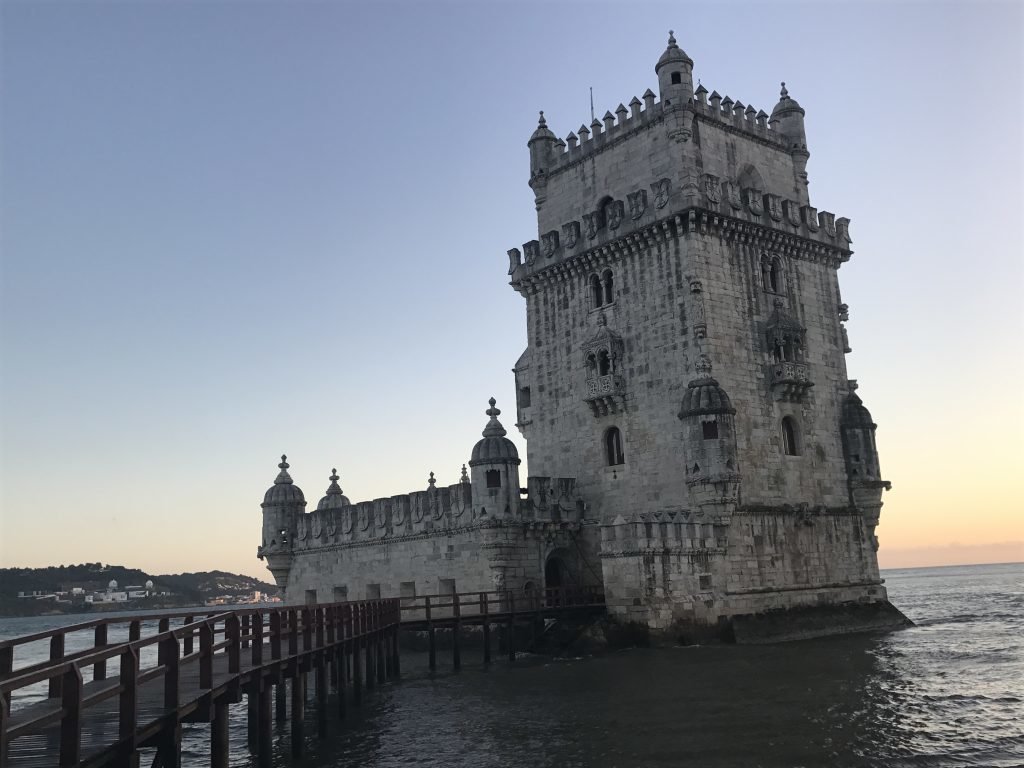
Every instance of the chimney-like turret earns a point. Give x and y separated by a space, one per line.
788 119
675 74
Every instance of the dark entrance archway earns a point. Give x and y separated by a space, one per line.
554 573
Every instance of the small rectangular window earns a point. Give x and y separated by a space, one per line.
310 597
340 594
373 591
524 397
493 478
710 430
705 582
407 591
446 587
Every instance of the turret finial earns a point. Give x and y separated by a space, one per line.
493 428
283 478
334 475
542 121
671 38
783 94
465 475
334 489
284 462
431 481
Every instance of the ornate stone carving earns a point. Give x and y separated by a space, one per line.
712 189
532 249
828 223
773 204
549 243
843 229
810 217
614 212
637 203
515 260
700 325
753 200
732 195
661 190
571 233
792 211
590 224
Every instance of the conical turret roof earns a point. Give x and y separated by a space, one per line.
673 54
495 448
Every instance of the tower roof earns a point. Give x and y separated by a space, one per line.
542 132
786 104
495 448
673 54
334 499
703 395
284 491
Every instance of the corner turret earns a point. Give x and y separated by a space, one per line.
675 74
788 119
542 145
494 469
282 504
334 497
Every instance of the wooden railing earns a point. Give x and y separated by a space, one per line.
200 667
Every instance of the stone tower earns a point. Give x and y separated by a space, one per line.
673 233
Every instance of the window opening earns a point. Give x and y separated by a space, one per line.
524 397
789 437
596 291
613 447
608 286
493 478
676 78
710 430
604 363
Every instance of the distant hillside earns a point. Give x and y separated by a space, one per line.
197 587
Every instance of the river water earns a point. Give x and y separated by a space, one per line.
948 692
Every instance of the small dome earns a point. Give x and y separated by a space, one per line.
704 395
785 105
149 584
542 132
495 448
854 414
112 585
334 499
673 54
284 491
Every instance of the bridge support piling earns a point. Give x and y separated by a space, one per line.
456 626
396 666
298 712
220 749
369 654
487 628
252 707
430 634
321 697
357 682
339 665
281 700
265 748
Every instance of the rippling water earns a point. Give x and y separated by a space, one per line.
949 692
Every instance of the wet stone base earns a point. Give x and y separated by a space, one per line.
816 621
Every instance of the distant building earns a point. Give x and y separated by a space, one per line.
695 443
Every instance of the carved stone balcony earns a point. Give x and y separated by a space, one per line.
605 394
790 381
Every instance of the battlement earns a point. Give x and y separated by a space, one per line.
732 115
432 512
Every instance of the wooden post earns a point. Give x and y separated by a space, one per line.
167 657
206 656
280 700
381 638
163 625
128 705
56 654
187 639
484 609
265 749
298 712
99 669
456 626
252 711
511 627
245 630
293 633
321 695
339 667
134 631
353 644
396 665
256 629
220 748
275 635
432 639
233 632
368 646
71 720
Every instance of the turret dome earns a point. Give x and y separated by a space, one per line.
283 491
495 448
785 105
703 395
673 54
542 132
334 499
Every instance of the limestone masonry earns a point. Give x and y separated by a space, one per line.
698 448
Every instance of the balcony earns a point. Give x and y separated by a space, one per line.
605 394
790 381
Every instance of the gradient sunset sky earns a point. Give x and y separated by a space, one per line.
232 230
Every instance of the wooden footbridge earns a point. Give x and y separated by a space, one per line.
105 704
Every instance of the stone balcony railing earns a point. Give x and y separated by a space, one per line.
605 394
790 381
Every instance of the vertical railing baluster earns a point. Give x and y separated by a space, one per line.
206 655
187 639
128 705
167 657
256 628
232 631
99 669
275 635
71 718
56 654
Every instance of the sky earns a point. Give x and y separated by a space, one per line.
231 230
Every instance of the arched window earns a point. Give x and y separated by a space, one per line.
790 437
591 362
493 477
775 276
596 291
604 363
613 447
609 296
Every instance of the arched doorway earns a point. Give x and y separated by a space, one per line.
554 573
